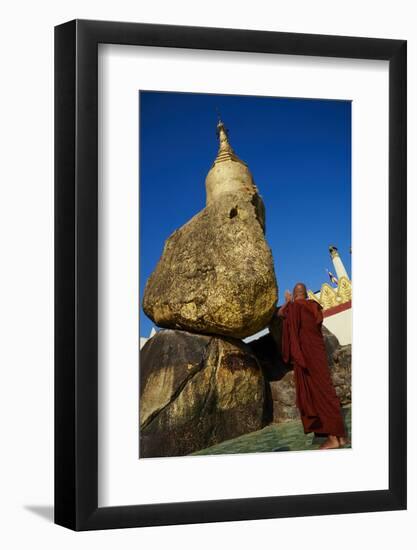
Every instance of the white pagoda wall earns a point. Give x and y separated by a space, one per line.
340 324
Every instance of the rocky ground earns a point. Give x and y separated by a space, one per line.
288 436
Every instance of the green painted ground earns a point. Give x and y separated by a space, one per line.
275 437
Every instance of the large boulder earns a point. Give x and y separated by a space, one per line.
216 273
196 391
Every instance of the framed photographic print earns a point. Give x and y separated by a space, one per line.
230 254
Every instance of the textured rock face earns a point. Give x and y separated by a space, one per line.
280 392
341 369
331 342
196 391
216 273
280 404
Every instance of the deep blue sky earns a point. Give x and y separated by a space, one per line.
298 150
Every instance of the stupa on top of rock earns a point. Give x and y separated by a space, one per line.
228 174
216 273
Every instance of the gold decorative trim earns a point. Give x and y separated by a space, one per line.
344 290
330 296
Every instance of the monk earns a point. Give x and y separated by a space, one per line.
303 346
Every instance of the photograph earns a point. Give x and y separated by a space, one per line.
245 267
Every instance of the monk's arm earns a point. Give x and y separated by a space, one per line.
282 311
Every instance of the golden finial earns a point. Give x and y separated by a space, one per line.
333 251
225 149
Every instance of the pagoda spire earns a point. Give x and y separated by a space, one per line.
229 174
225 149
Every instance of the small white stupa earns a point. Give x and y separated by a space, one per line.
336 300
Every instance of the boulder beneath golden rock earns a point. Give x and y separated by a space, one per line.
216 273
196 391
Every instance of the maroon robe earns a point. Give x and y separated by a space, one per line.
303 346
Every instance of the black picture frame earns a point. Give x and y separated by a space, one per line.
76 272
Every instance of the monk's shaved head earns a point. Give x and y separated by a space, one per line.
300 291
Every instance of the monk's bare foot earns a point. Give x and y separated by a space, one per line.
343 441
331 442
